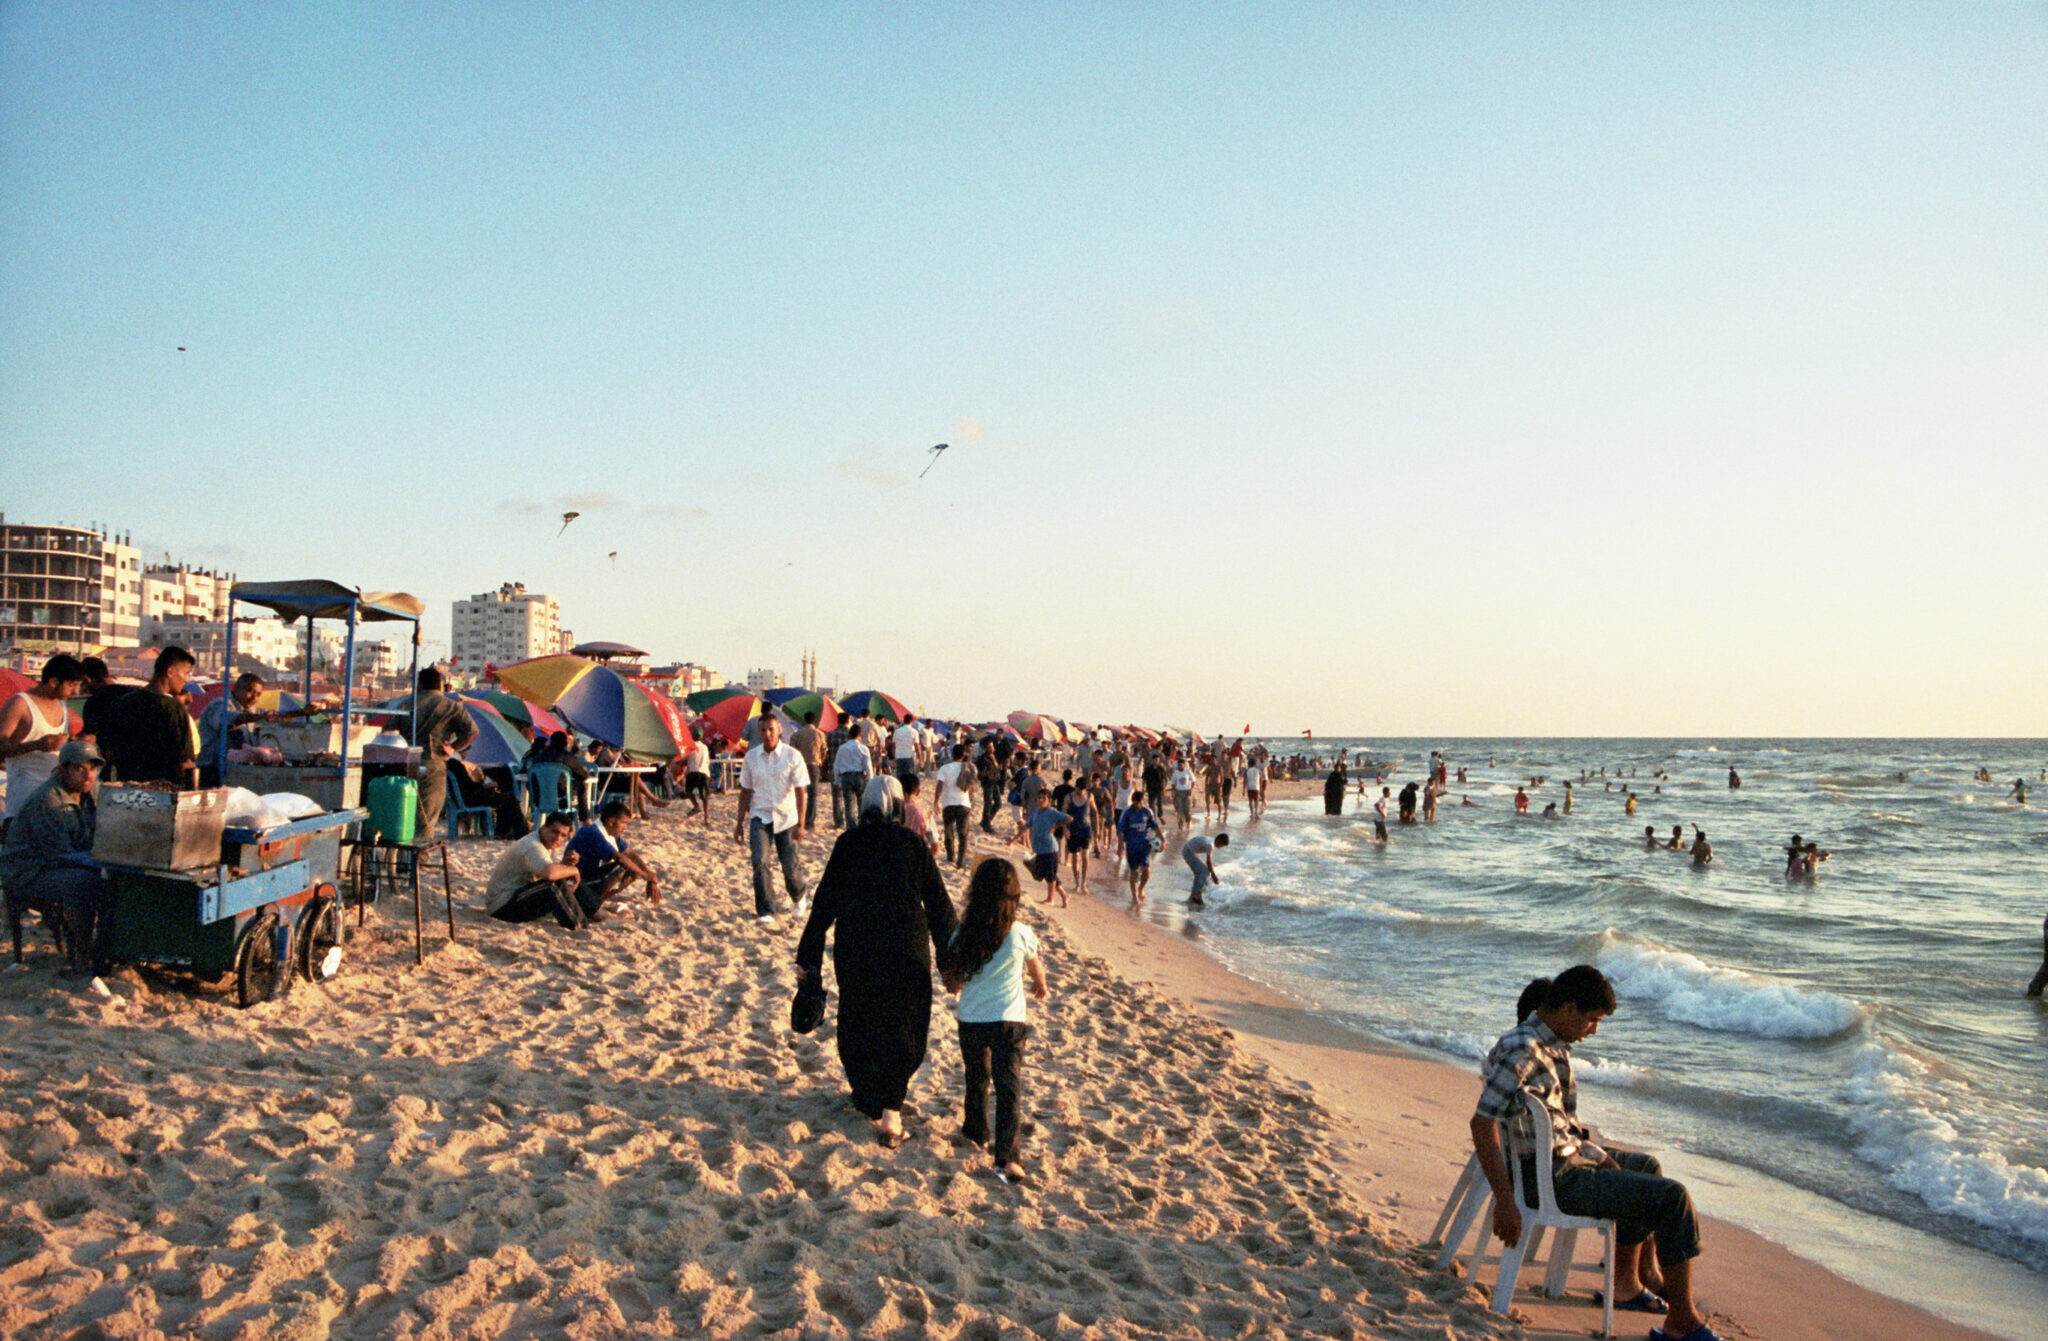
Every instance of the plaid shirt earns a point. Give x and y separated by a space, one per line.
1530 1059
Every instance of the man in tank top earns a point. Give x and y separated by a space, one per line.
34 725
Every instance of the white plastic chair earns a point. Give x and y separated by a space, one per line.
1471 1201
1544 1216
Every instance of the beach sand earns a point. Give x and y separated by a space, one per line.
614 1132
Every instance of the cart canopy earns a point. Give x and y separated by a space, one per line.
317 598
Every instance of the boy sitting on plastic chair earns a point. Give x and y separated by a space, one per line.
1533 1060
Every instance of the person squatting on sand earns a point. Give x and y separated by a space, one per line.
988 961
1532 1064
527 882
605 863
773 784
882 891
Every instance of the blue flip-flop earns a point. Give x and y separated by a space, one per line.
1699 1333
1645 1301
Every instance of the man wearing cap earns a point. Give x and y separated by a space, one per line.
47 862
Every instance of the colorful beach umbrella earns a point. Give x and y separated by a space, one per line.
498 743
729 715
884 708
1037 726
705 699
608 706
517 710
545 679
794 702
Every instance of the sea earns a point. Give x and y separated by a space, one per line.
1847 1065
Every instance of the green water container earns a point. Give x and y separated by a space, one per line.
394 808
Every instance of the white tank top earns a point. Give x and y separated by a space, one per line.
26 772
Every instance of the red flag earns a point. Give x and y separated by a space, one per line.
1310 734
1247 729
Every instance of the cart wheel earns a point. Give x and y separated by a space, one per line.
319 938
258 975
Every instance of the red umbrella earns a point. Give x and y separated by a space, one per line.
729 716
671 717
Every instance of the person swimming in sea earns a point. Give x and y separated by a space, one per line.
1650 843
1702 850
1677 842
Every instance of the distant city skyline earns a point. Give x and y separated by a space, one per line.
1395 371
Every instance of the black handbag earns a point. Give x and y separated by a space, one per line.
807 1008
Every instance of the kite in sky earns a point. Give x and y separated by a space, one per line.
934 461
615 558
567 517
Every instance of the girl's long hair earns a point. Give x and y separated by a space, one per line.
992 898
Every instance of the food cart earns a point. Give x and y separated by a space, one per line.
191 891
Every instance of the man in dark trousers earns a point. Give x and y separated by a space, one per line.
441 727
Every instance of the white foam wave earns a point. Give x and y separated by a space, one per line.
1908 1124
1689 990
1600 1071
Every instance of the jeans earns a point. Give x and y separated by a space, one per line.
991 802
541 898
851 785
759 836
993 1050
1639 1200
1201 870
954 818
906 771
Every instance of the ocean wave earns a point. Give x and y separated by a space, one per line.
1906 1125
1615 1075
1689 990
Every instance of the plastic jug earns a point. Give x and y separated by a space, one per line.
394 807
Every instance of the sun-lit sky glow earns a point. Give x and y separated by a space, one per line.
1386 370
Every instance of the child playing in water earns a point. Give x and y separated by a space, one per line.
1139 828
989 962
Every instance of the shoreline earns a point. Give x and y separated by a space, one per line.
1404 1112
613 1132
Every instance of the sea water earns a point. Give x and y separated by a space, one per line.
1861 1037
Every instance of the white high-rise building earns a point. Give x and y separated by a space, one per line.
120 593
500 627
759 679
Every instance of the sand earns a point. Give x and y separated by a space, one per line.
613 1132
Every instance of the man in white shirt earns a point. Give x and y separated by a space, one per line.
852 766
956 781
773 786
905 742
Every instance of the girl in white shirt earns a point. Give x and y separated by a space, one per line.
989 961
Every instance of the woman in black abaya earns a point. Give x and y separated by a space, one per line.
883 890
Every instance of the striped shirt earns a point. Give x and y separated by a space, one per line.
1531 1060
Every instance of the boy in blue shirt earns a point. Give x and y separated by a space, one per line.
605 863
1047 826
1139 828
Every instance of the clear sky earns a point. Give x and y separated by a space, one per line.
1381 369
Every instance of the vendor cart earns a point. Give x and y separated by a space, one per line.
267 910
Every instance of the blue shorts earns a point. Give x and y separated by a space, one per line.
1139 855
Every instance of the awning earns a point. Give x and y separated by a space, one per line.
317 598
